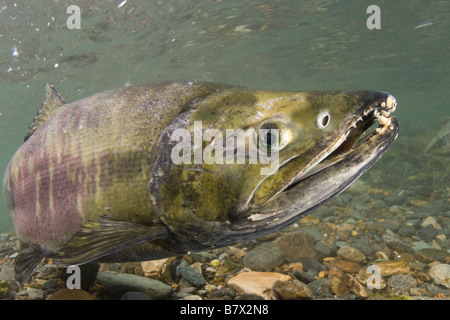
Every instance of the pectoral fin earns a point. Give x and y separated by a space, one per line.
102 237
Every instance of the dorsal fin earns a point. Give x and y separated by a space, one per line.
53 100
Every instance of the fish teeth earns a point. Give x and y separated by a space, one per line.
384 121
368 111
391 103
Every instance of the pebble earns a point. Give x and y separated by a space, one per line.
344 231
35 294
399 246
190 275
248 297
441 274
7 273
417 215
401 283
364 245
396 199
431 254
352 254
431 221
339 288
4 289
326 249
405 256
70 294
192 297
135 296
291 267
292 290
310 265
297 244
215 263
346 265
438 290
201 256
315 234
117 284
265 257
354 286
427 233
388 268
320 287
305 277
396 209
381 256
50 283
237 252
341 244
419 245
257 283
418 202
154 267
406 230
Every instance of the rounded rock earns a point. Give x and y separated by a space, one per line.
320 287
297 244
441 274
351 254
135 296
117 284
401 283
190 275
292 290
70 294
266 257
257 283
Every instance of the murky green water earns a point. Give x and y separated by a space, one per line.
289 45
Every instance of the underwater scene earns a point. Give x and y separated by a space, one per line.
348 194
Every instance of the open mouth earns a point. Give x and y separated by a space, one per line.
371 122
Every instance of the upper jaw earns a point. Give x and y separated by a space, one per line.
357 133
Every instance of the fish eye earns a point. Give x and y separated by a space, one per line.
323 119
269 137
273 135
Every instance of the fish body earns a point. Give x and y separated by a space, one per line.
156 170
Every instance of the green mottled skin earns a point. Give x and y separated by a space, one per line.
109 154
